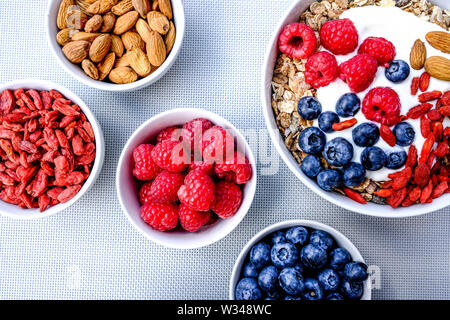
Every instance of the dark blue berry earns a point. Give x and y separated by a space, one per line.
291 298
396 159
329 179
404 134
313 257
354 174
260 255
311 166
297 235
313 290
329 279
249 270
334 296
309 108
326 121
247 289
348 105
284 254
352 290
312 140
291 281
355 271
366 134
322 239
268 280
397 71
270 298
339 257
338 152
373 158
278 236
299 267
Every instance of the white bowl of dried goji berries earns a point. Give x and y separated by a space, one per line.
51 149
181 203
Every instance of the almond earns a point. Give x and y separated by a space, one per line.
122 7
155 5
439 40
156 49
438 67
139 62
169 40
61 20
84 4
126 22
131 40
109 20
100 47
141 6
123 61
84 36
94 23
101 6
144 30
166 8
418 55
76 19
105 67
76 51
90 69
123 75
63 37
158 22
117 45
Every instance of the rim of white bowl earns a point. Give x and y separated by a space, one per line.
70 68
250 194
370 209
31 214
339 237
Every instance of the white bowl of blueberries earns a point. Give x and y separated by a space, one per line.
299 260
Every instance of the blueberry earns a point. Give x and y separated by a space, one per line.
338 152
311 166
396 159
339 257
297 235
299 267
404 134
278 236
309 108
284 254
366 134
326 121
268 279
348 105
260 255
334 296
329 179
352 290
373 158
397 71
322 239
269 298
247 289
313 290
329 279
354 174
313 257
249 270
355 271
291 298
291 281
312 140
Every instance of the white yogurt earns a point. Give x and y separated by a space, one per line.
402 29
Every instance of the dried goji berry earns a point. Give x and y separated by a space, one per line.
421 175
7 102
418 111
84 135
415 193
426 192
46 100
424 81
28 102
68 193
438 130
407 202
387 135
77 145
397 198
439 190
445 99
402 180
65 109
434 115
384 193
354 196
344 124
426 148
429 96
431 159
442 149
54 94
415 85
50 138
39 184
27 146
18 93
445 110
36 99
44 202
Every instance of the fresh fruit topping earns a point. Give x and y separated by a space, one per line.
313 257
309 108
291 281
145 168
236 169
321 69
373 158
424 81
329 179
348 105
359 72
355 196
339 36
312 140
404 134
381 49
338 152
247 289
396 159
204 166
382 105
192 220
145 193
197 191
366 134
311 166
354 174
228 198
170 155
297 40
415 82
193 132
326 121
387 135
344 124
169 133
218 144
165 186
397 71
160 216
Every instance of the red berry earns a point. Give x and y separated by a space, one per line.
339 36
160 216
170 155
192 220
168 134
321 69
165 186
382 105
144 167
379 48
145 195
297 40
204 166
236 169
193 132
197 191
217 144
228 198
359 72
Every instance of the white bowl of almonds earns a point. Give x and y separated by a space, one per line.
116 45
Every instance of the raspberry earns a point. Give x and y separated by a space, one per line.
379 48
165 186
382 105
217 144
359 72
339 36
297 40
170 155
197 191
145 168
193 131
205 167
145 195
192 220
160 216
167 134
321 69
228 198
236 169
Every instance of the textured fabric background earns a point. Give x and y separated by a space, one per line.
90 251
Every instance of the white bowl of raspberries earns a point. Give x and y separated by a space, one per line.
186 178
